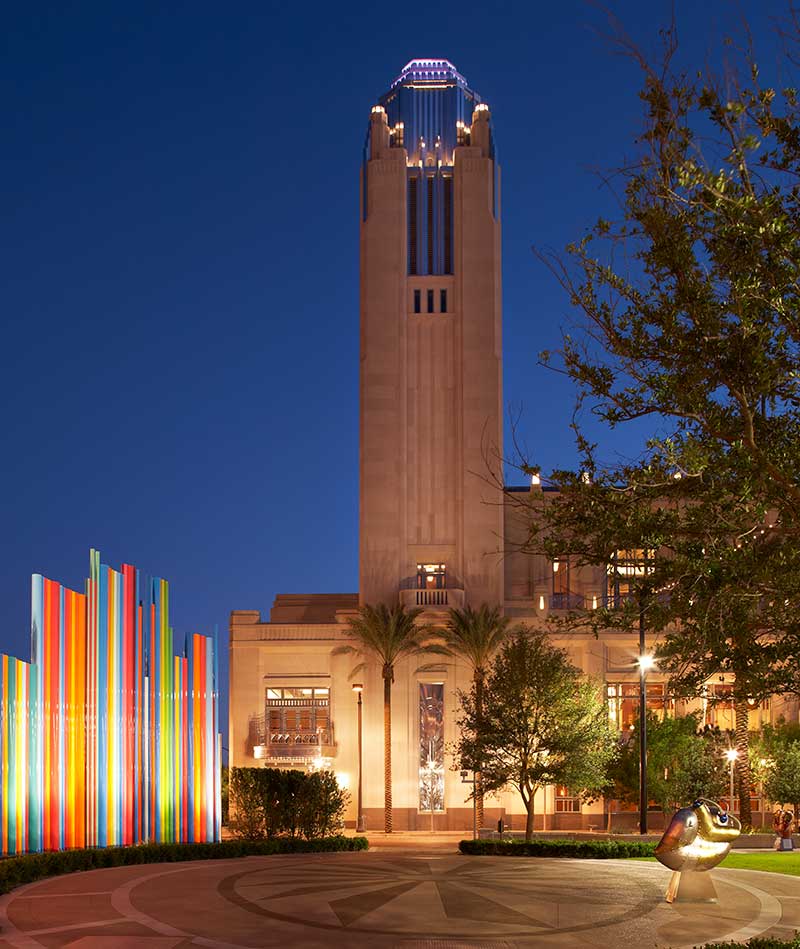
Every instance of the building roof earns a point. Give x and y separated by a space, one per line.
310 607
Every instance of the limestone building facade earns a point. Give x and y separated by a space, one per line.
436 530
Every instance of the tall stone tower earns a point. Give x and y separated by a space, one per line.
431 512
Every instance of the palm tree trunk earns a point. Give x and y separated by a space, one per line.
743 761
387 752
477 789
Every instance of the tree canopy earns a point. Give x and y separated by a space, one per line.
539 724
683 764
691 320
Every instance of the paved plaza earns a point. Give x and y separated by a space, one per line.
390 897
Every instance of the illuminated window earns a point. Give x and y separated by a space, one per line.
625 571
443 301
623 703
430 301
566 802
431 746
418 301
561 598
298 715
718 706
431 576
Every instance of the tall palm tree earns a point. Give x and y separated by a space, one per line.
387 634
476 635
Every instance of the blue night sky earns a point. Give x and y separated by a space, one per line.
179 368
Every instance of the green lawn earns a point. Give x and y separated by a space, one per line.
773 862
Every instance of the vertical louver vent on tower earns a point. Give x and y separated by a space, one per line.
448 224
430 220
412 225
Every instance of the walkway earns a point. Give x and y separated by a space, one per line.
390 897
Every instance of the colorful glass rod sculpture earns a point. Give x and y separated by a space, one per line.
106 737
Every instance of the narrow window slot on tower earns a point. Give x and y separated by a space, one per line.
430 224
418 301
430 301
443 301
448 224
412 225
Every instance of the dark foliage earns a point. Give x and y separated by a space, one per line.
269 803
590 849
16 871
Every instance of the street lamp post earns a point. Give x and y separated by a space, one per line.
466 780
645 662
358 688
731 754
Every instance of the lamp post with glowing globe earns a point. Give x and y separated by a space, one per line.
645 662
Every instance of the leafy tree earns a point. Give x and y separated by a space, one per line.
683 764
691 320
224 790
272 802
783 783
540 723
476 635
387 634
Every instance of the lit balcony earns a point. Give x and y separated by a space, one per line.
432 589
441 599
290 745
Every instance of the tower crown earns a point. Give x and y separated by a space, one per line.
429 72
427 108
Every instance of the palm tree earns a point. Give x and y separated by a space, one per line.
476 635
387 634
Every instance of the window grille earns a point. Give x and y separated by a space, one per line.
412 225
448 225
430 216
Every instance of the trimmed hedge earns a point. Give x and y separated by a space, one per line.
15 871
595 849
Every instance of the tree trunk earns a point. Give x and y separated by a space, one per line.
477 789
743 761
387 752
529 821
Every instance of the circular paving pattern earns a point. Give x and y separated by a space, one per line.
424 897
390 899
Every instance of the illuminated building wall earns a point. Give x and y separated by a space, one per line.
106 736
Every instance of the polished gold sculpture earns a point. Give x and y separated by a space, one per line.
697 839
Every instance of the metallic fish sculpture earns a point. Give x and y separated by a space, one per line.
698 837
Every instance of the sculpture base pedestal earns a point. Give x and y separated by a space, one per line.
691 887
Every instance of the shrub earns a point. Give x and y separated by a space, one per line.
590 849
325 804
270 802
15 871
249 805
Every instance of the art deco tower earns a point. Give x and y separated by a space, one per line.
431 517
